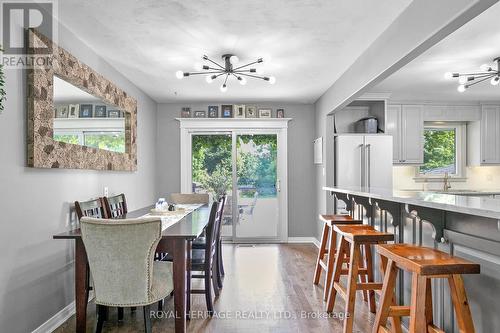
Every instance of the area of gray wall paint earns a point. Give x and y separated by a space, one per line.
301 190
36 272
420 26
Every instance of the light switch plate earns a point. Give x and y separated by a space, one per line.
106 192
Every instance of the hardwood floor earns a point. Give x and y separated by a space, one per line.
267 288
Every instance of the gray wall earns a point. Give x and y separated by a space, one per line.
36 272
421 25
301 182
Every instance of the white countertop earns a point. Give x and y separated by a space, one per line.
466 204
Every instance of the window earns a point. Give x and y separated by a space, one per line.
444 150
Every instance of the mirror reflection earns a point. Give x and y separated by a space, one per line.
83 119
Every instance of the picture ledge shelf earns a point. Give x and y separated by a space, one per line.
233 122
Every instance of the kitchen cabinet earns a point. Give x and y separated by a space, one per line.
483 147
406 125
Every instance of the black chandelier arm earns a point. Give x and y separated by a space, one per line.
255 76
479 74
227 76
200 73
249 64
476 82
213 62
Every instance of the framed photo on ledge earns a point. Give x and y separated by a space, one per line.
251 111
213 111
186 112
265 113
200 114
226 111
86 110
280 113
239 111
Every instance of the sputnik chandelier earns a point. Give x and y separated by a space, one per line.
229 69
467 80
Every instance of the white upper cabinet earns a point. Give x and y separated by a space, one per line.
406 124
483 147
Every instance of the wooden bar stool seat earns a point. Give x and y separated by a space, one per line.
349 251
327 246
424 264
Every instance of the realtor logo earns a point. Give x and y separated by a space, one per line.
17 17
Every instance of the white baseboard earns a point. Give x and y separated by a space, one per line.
57 320
310 240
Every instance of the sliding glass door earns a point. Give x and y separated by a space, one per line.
247 166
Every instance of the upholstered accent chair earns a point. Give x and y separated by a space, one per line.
189 198
120 255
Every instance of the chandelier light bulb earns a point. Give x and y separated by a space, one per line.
495 81
234 59
461 88
448 75
209 79
179 74
485 67
242 80
272 80
223 88
260 70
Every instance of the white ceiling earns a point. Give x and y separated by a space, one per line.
474 44
311 42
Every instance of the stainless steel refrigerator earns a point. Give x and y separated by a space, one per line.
363 160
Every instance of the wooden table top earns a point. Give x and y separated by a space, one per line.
190 226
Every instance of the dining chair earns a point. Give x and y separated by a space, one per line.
91 208
120 255
115 206
200 243
189 198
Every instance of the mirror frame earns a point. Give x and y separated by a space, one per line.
43 150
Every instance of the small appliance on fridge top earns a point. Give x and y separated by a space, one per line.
363 160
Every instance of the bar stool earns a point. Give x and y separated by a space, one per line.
326 249
424 264
352 239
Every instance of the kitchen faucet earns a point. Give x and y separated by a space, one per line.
446 184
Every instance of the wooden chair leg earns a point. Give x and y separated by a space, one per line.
331 262
101 314
221 262
208 292
321 253
147 319
160 305
214 274
339 262
386 299
395 321
351 287
369 277
461 304
418 317
120 313
362 277
218 260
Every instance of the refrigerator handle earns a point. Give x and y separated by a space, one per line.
362 165
368 164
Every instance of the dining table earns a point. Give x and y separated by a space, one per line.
176 239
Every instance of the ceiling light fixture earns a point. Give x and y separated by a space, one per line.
229 69
467 80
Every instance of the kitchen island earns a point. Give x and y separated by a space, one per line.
465 226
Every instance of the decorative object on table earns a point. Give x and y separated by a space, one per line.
251 111
318 150
74 110
239 111
229 69
86 111
100 111
200 114
213 111
114 114
280 113
62 111
265 113
226 111
186 112
171 207
2 85
467 80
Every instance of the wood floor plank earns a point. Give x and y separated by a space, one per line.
267 288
